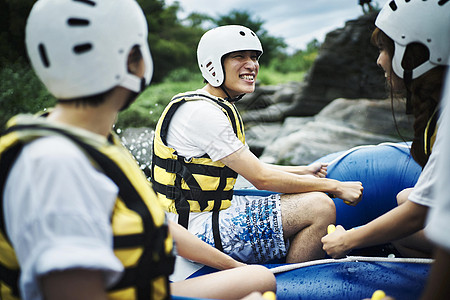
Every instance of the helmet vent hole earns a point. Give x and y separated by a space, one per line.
82 48
242 33
253 33
88 2
393 5
208 64
43 55
442 2
77 22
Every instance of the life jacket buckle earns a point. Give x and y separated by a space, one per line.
173 166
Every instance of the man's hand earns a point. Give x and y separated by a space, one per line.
334 243
350 192
317 169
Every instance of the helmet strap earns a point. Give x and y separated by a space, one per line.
228 98
407 79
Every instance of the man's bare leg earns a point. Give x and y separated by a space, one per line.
305 218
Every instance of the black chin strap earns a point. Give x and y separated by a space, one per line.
228 98
407 78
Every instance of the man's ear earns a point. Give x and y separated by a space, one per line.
135 62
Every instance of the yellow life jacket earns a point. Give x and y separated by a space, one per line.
198 184
141 239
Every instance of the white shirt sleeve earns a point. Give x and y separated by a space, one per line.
199 127
423 192
57 213
439 215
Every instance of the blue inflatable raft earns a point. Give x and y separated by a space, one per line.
384 170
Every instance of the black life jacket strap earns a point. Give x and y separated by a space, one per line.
146 267
11 279
174 193
216 230
6 161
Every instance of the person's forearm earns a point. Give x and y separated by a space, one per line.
191 247
73 284
264 177
398 223
299 170
274 179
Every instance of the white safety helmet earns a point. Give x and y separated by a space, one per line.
417 21
219 41
80 48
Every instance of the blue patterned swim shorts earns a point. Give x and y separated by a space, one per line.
250 229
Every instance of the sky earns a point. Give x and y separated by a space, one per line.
298 22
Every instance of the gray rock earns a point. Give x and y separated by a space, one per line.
340 126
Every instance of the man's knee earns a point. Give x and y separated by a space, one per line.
324 206
320 201
318 205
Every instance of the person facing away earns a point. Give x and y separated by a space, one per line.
78 218
414 42
199 149
437 286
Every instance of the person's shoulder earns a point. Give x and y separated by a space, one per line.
54 147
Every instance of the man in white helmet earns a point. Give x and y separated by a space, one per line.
78 218
413 38
199 148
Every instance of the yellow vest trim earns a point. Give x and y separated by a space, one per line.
430 133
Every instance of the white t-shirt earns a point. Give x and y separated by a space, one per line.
200 127
423 192
439 216
57 211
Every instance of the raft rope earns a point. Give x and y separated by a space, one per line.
290 267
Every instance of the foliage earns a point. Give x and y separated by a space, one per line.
145 111
271 76
13 15
302 60
173 43
21 92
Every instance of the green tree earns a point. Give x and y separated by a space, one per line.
300 61
171 42
13 15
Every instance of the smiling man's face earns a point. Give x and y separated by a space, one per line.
241 69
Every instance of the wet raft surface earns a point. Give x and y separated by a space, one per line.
348 280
